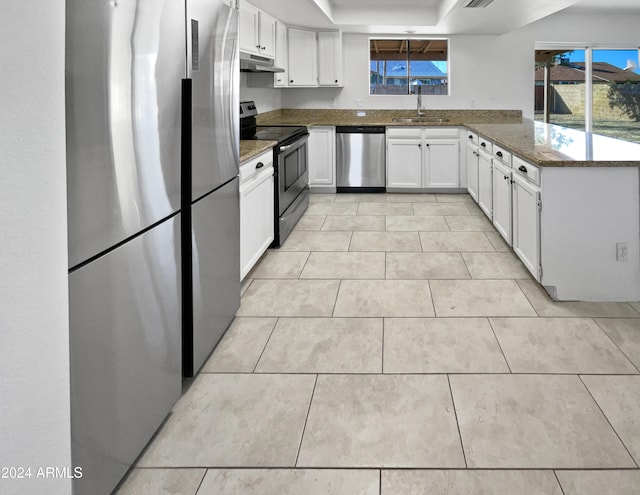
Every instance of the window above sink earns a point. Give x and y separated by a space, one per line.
397 66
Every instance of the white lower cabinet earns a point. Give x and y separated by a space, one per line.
256 210
404 163
502 200
442 163
472 169
423 158
485 184
322 158
526 223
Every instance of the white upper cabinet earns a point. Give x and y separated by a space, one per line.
257 31
280 79
248 28
330 63
303 61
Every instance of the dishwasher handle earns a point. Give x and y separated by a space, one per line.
360 129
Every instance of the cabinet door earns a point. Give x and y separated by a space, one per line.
267 35
281 79
502 200
526 224
404 163
322 157
472 171
330 58
248 29
442 163
303 65
485 186
256 219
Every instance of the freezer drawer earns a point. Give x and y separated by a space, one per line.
216 268
125 346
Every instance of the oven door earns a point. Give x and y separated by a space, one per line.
293 175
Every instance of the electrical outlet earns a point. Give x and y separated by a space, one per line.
622 251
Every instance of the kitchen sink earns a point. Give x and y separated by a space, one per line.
420 119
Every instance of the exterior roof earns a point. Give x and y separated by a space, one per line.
602 72
419 68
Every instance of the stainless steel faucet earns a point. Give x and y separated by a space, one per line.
419 93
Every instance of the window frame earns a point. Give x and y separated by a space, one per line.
588 66
409 38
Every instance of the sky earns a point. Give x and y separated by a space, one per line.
614 57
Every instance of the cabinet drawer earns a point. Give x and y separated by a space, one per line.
502 155
252 166
472 137
406 132
526 169
485 145
441 132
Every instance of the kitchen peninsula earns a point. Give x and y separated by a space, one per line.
566 201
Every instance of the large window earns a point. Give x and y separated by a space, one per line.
398 66
590 89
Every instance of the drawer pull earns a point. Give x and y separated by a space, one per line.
522 168
499 153
470 136
484 145
259 165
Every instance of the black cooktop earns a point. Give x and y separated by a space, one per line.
279 133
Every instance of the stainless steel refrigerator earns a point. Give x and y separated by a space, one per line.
128 151
211 184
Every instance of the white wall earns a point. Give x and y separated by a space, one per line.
494 72
266 97
34 351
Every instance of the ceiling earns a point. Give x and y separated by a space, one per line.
437 17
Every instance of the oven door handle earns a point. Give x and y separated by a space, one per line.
288 147
296 144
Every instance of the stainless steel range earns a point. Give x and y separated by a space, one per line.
290 158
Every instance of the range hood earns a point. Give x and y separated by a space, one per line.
256 63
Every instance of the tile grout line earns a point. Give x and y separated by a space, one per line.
265 345
607 418
527 298
558 480
382 363
201 481
615 344
455 412
304 428
495 336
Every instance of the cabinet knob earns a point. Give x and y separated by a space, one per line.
506 178
484 145
470 137
499 153
291 81
419 146
260 165
336 81
257 46
522 168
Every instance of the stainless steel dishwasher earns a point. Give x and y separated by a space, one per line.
360 159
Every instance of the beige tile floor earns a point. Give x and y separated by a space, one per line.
395 346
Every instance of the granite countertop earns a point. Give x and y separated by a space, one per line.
250 149
546 145
319 117
550 145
